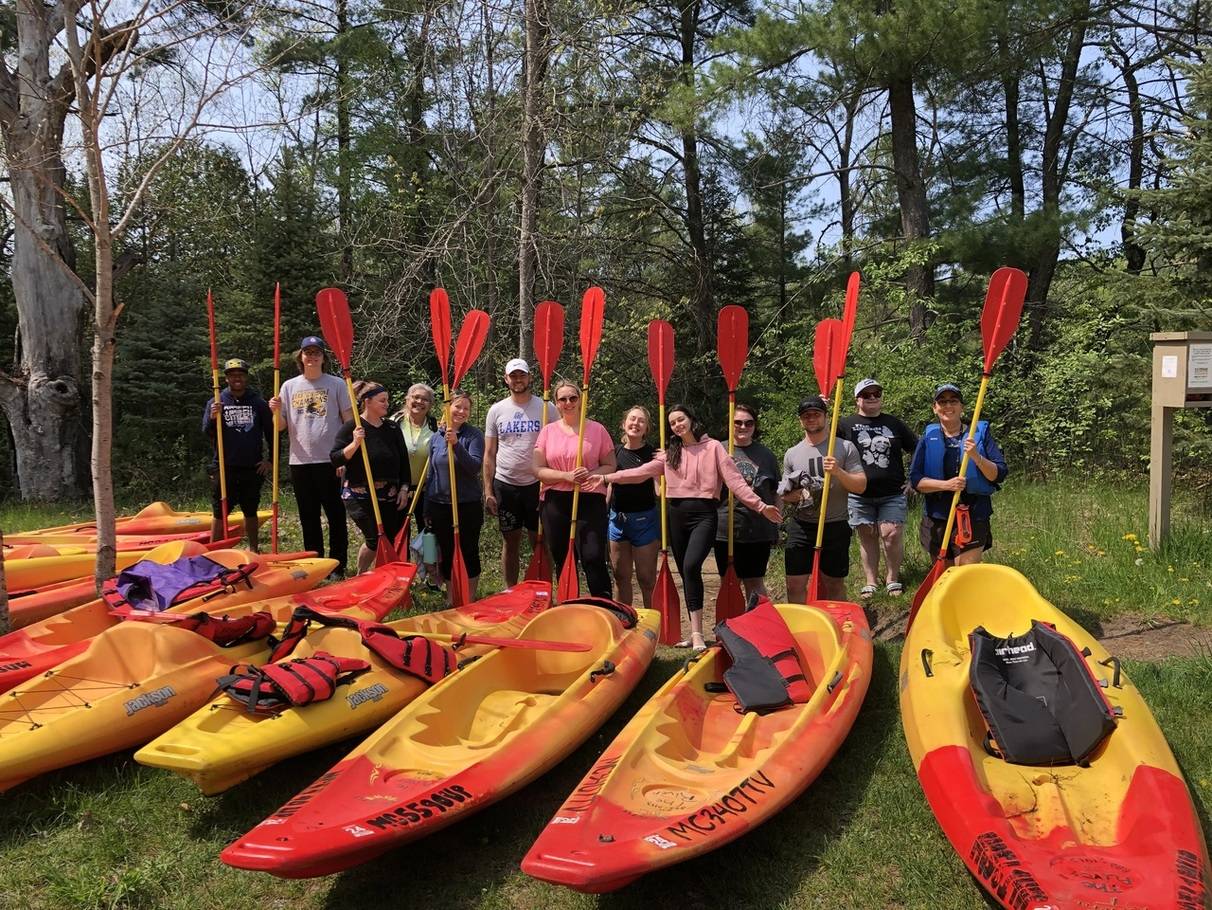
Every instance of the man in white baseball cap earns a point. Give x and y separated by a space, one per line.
511 489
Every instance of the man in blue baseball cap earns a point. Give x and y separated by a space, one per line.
934 472
247 429
312 407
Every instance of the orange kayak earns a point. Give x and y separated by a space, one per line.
40 646
689 773
157 518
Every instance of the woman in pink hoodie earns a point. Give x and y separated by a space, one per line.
695 467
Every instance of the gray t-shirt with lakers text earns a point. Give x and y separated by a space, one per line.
516 428
311 413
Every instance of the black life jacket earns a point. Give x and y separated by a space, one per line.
1041 702
765 674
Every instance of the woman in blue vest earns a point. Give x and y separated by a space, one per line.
934 473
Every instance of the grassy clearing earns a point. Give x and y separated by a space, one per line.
112 834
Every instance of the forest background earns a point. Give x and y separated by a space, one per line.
681 155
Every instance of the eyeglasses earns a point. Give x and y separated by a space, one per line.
742 423
872 395
568 398
947 401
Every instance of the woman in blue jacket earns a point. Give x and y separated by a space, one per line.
934 473
468 445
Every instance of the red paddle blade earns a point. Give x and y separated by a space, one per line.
730 601
210 316
593 308
851 309
665 600
826 353
539 568
660 355
458 586
1003 309
439 325
732 343
548 337
385 551
569 587
472 335
336 325
927 583
403 540
814 580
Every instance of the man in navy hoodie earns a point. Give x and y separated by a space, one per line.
247 431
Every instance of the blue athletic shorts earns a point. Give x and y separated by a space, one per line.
636 528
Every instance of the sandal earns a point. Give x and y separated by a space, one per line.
699 645
894 589
684 643
868 592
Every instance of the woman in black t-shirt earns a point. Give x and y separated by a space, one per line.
635 519
388 463
753 535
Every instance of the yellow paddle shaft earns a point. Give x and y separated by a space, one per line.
731 449
276 448
837 407
214 375
963 468
370 477
664 515
580 461
450 465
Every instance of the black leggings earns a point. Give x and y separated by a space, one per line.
591 535
692 524
317 486
471 519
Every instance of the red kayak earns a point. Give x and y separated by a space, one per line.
157 518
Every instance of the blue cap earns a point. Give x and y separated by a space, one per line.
312 341
948 387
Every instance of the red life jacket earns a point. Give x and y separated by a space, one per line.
301 681
226 631
765 674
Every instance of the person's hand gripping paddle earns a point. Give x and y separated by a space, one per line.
472 336
214 376
732 346
332 306
548 342
999 320
665 593
593 306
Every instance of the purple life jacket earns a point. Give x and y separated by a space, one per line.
154 587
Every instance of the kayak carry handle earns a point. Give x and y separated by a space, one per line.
605 670
833 683
1113 661
927 657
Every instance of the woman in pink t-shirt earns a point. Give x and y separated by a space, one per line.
555 458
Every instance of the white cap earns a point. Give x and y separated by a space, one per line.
864 385
517 364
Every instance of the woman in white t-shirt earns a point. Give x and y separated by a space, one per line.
555 455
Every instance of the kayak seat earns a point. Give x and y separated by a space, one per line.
1041 703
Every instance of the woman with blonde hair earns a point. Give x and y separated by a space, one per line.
635 518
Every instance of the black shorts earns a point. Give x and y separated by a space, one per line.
835 548
362 513
749 558
517 507
930 533
243 491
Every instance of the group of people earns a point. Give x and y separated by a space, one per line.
523 469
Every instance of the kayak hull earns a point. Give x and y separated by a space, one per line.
157 518
223 744
689 774
462 745
1121 831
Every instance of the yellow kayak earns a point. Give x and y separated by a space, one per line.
1115 827
223 743
466 742
157 518
68 563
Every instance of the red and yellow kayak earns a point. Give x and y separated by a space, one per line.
157 518
40 646
472 739
134 680
1118 832
222 743
689 773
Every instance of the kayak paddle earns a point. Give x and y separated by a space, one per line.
273 534
828 361
999 320
332 306
593 306
665 593
548 342
732 346
214 375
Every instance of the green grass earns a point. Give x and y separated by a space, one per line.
112 834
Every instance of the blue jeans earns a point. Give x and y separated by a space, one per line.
884 509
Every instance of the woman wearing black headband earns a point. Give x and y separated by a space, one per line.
388 463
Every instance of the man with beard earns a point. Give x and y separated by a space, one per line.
247 430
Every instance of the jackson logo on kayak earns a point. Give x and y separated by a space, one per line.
583 796
1193 893
998 865
362 696
300 800
154 698
436 803
735 802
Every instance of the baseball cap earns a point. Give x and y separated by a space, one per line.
235 364
517 364
948 387
865 384
312 341
813 403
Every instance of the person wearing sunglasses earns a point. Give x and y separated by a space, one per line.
555 464
878 513
753 536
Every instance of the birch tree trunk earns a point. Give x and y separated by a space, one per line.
535 72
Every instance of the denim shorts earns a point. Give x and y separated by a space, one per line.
890 509
636 528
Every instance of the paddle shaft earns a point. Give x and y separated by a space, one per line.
731 450
273 542
580 462
214 376
450 466
963 468
370 477
837 406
